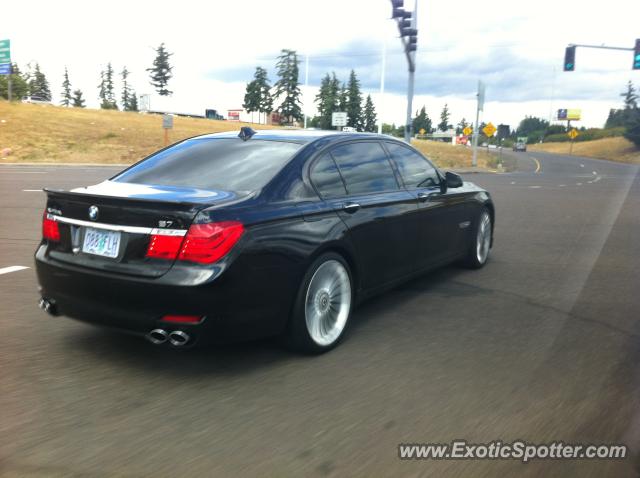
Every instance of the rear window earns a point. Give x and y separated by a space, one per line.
227 164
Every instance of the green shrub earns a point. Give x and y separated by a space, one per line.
587 135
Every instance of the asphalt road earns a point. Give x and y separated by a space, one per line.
541 345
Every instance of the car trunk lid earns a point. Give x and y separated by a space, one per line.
109 226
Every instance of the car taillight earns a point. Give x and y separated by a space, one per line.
50 230
210 242
163 246
183 319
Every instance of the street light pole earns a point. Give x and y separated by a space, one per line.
382 74
306 88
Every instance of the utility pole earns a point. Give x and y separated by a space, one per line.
306 88
407 25
476 128
382 74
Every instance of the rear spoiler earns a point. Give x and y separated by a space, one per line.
63 194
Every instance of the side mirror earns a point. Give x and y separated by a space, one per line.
453 180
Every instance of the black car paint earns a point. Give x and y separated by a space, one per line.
391 237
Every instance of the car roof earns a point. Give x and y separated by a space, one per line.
295 135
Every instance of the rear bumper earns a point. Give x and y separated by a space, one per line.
238 305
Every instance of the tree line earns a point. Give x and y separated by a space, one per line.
334 96
623 121
34 82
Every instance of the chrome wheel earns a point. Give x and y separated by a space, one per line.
483 241
328 302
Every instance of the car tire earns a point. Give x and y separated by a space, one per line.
481 240
323 306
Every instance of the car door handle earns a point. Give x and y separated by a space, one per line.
351 207
422 197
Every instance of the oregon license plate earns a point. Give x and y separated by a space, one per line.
101 242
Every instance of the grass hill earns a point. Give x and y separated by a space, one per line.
45 133
615 149
53 134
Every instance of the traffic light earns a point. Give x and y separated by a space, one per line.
570 58
413 42
636 55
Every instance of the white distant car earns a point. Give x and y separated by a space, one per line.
35 100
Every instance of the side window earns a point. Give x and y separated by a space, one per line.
365 167
414 169
326 178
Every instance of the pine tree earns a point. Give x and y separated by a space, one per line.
19 86
66 89
264 89
370 118
106 89
354 102
444 119
422 121
38 84
161 71
343 98
632 126
461 126
327 100
630 97
287 86
133 101
126 97
76 100
252 95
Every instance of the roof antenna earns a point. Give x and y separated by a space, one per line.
246 133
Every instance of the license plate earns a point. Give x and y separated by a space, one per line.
101 242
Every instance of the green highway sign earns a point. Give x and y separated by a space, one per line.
5 51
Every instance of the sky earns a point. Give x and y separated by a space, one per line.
517 50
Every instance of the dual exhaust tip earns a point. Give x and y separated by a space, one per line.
177 338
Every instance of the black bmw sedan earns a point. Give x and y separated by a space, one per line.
225 236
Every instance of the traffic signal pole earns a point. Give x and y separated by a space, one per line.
570 51
408 130
407 25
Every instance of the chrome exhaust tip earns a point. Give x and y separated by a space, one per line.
157 336
47 305
178 338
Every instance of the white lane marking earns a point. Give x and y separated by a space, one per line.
561 185
6 270
513 182
32 190
25 172
594 172
534 187
582 165
578 184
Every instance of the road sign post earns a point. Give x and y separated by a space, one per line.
476 128
338 119
489 130
5 63
167 124
573 135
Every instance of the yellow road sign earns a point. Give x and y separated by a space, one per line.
489 130
467 131
422 131
573 133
